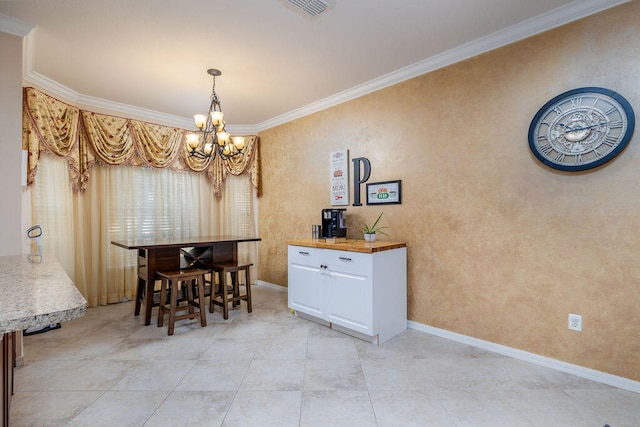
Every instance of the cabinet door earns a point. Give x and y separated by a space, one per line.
349 289
305 280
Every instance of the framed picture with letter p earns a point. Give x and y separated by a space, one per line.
384 193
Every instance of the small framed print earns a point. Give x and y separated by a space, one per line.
339 162
384 193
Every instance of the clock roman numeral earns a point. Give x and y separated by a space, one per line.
576 102
610 140
560 157
546 148
616 124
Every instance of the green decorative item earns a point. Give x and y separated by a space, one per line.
369 232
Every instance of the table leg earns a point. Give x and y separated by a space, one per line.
157 259
148 297
139 295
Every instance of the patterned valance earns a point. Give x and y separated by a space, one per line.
86 138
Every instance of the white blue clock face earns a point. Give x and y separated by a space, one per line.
581 129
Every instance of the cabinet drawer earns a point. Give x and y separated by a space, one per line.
349 262
305 256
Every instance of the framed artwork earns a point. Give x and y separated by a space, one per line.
384 193
339 166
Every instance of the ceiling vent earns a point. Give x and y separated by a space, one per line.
309 8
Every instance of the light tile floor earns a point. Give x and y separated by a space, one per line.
270 368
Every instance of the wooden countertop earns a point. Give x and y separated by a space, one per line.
184 242
36 291
349 245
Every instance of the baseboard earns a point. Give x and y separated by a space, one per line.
580 371
272 286
19 361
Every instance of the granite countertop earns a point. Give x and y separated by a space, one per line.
36 293
349 245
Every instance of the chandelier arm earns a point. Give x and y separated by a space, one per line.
202 156
223 157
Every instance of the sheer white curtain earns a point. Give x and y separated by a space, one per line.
52 208
127 202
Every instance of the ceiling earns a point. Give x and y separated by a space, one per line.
148 58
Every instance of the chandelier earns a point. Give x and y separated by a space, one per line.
211 139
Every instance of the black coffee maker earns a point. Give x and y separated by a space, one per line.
334 223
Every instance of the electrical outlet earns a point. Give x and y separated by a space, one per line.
575 322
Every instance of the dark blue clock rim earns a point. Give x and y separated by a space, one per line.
631 121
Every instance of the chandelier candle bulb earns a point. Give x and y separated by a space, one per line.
238 141
193 140
223 138
201 120
216 117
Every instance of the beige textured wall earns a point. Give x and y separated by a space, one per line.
500 247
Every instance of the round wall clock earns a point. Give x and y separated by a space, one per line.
581 129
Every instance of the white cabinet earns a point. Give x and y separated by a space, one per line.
305 269
366 293
349 286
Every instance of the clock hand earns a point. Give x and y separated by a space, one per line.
569 129
592 126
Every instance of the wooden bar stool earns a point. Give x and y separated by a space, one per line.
170 284
230 293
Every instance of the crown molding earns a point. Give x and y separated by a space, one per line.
573 11
77 98
14 26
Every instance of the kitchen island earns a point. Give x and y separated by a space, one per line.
34 291
357 287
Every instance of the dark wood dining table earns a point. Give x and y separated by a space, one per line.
158 254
